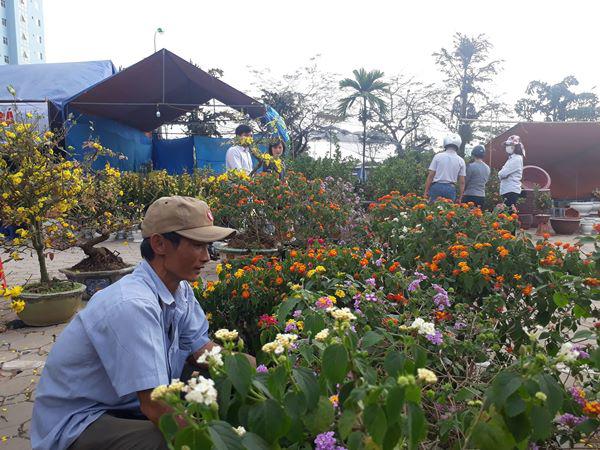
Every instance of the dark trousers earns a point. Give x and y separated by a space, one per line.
479 201
115 433
511 198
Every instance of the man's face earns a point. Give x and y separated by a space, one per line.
249 134
186 260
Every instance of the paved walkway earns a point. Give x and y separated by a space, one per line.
23 351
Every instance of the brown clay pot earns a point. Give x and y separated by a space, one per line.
564 225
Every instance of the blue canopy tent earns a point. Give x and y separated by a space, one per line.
54 83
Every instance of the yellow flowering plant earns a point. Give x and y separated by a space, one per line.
100 211
265 159
38 188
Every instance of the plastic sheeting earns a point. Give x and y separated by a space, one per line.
55 82
135 145
176 156
210 153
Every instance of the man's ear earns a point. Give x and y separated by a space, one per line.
159 244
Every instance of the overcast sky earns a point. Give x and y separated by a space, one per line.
537 39
544 40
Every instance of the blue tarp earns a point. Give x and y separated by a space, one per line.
134 144
210 153
54 82
176 156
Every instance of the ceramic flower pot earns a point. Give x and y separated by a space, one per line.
564 225
97 280
52 308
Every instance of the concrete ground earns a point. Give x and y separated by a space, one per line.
23 351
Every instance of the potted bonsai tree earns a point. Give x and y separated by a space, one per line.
38 188
543 203
100 212
256 207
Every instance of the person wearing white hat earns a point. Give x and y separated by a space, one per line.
134 335
447 169
511 173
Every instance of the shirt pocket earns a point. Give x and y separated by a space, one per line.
178 357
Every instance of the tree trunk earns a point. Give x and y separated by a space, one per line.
38 245
91 251
364 151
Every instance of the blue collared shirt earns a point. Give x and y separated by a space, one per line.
132 336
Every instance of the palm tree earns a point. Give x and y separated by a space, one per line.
366 86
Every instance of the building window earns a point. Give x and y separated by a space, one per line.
5 40
3 4
4 22
22 18
39 22
41 56
25 55
40 38
22 2
6 60
23 36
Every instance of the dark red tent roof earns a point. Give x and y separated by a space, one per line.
164 81
568 151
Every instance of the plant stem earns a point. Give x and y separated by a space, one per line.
38 245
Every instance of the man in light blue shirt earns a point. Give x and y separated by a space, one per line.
134 335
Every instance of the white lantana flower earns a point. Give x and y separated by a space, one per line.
240 430
212 357
342 314
426 375
281 343
201 390
322 335
422 327
567 352
225 335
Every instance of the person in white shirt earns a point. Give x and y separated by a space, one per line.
238 157
447 169
511 173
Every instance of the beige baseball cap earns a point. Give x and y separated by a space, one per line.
186 216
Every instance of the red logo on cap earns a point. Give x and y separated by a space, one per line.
210 216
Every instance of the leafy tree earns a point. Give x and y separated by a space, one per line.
557 102
469 70
209 120
303 99
411 105
367 87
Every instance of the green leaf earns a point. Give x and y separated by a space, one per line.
375 422
307 381
193 438
320 419
295 403
561 300
392 435
253 441
335 363
224 436
285 308
514 405
503 386
588 427
582 335
553 390
580 313
519 426
394 404
371 338
491 436
168 426
355 441
224 398
412 394
346 422
240 372
541 420
416 425
420 356
394 363
269 420
277 381
464 394
595 357
313 323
